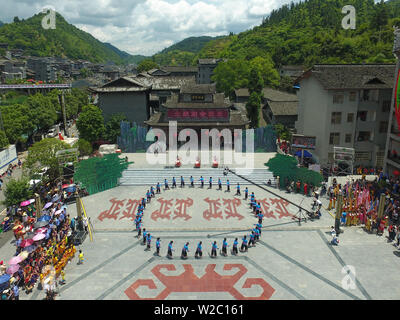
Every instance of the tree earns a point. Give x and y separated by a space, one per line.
282 132
113 127
17 191
43 110
84 147
267 71
231 75
146 65
17 121
256 82
3 140
43 154
253 109
91 123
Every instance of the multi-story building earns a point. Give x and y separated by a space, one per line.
205 70
392 151
346 106
44 68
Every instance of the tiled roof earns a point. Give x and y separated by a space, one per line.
236 119
353 76
179 69
284 108
199 88
219 102
276 95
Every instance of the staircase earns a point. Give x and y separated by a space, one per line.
149 177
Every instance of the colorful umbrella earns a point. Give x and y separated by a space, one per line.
40 224
44 218
29 235
15 260
31 248
23 255
41 230
4 278
25 203
12 269
57 212
47 205
26 243
39 236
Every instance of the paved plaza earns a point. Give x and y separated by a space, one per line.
291 260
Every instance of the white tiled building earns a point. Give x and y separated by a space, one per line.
392 162
346 106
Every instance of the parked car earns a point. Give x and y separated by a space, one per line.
51 133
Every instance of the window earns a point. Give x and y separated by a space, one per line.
386 106
370 95
338 98
383 126
334 138
347 138
364 136
352 96
336 117
362 115
350 117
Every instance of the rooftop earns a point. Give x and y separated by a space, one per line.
236 119
218 102
208 61
199 88
179 69
353 76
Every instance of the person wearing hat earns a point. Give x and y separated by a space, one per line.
3 268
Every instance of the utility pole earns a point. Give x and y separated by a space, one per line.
64 114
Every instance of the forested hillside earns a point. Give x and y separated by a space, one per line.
311 32
64 41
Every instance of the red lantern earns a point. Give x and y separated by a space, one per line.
396 172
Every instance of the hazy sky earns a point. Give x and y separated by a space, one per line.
148 26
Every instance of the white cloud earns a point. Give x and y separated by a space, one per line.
148 26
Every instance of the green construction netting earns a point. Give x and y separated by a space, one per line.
100 174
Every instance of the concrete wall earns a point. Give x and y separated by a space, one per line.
315 112
312 115
133 105
205 73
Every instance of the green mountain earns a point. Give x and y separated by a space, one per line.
183 52
126 57
64 41
191 44
311 32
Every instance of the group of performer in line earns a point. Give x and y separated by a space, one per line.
248 241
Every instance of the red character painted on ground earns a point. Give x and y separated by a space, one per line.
165 210
214 210
181 206
113 212
266 209
231 208
211 281
281 208
130 212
